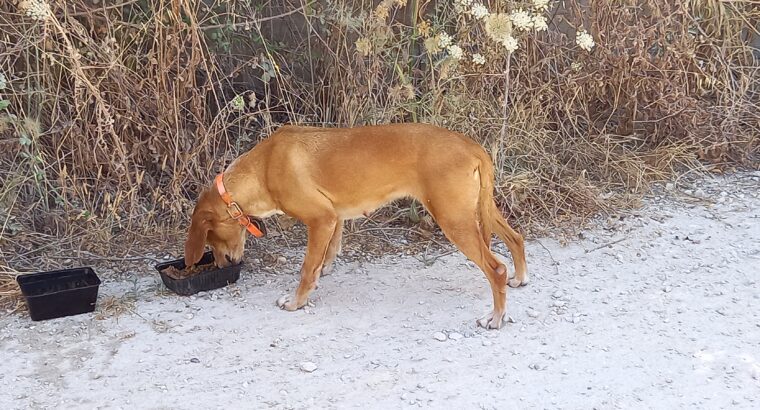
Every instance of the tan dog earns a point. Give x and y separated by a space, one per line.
322 176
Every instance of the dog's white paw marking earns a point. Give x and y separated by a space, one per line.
515 283
286 302
492 320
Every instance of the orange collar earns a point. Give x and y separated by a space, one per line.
234 209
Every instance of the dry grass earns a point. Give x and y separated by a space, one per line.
113 307
117 115
10 294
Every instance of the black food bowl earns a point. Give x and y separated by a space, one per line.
213 278
59 293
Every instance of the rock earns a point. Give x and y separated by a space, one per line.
533 313
455 336
195 360
308 367
281 260
440 336
486 342
558 294
189 316
558 303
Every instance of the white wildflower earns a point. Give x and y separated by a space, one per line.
542 5
584 40
444 40
479 11
478 59
498 26
462 6
36 9
510 43
521 19
455 52
539 23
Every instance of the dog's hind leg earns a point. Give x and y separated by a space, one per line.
333 249
467 237
515 244
457 217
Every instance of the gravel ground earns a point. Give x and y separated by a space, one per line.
656 308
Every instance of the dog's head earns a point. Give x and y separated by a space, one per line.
212 225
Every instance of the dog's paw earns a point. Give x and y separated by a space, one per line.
515 282
328 269
286 302
492 320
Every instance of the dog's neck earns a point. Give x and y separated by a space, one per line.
244 180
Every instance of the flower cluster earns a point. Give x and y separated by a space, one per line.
455 52
479 11
499 28
521 19
510 43
36 9
541 5
539 23
444 40
584 40
504 29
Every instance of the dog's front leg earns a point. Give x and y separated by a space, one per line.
320 231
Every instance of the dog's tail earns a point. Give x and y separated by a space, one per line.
493 222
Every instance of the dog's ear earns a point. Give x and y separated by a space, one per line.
196 240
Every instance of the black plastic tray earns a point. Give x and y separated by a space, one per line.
207 280
59 293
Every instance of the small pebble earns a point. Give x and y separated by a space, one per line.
486 343
558 294
533 313
440 336
308 367
455 336
195 360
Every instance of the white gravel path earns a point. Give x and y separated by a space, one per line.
667 316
